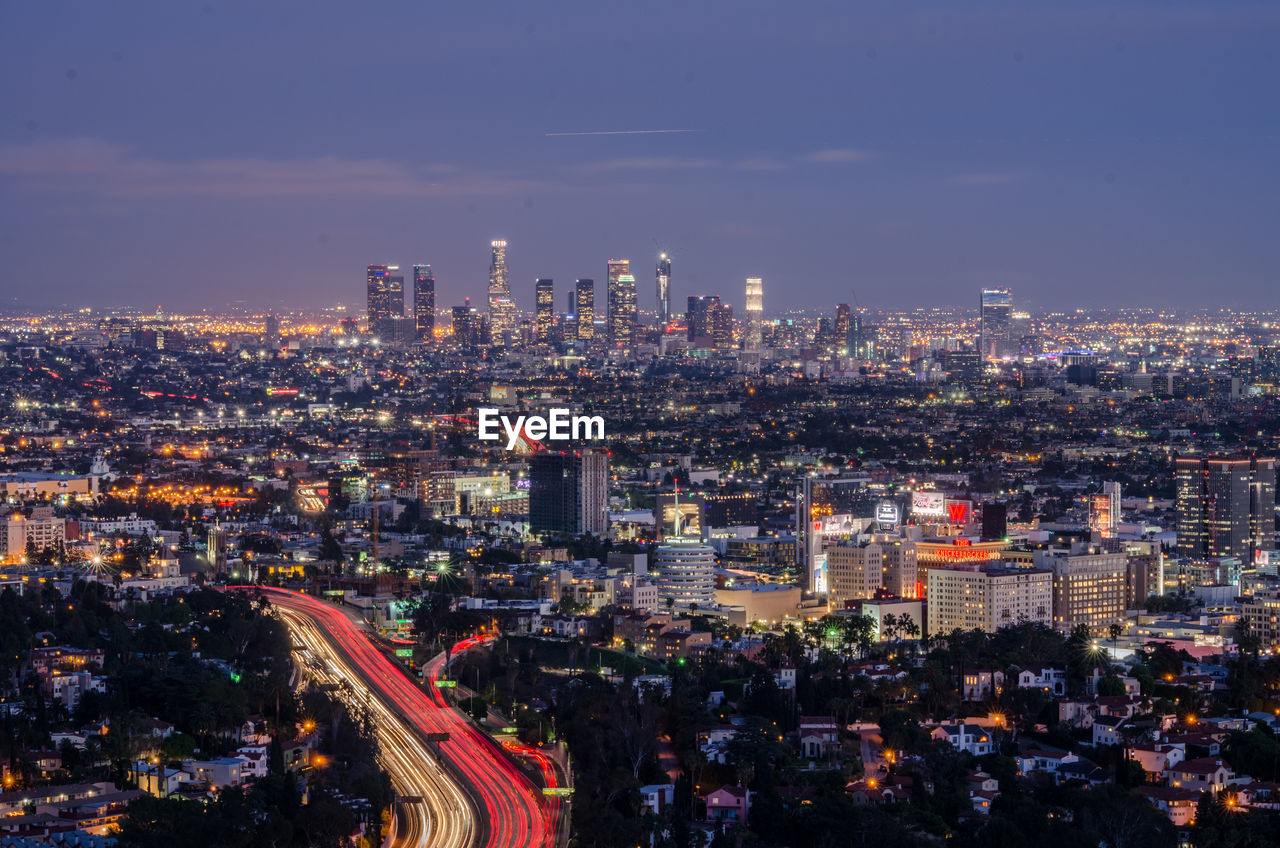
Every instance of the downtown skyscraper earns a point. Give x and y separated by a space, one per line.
502 308
754 313
544 293
621 301
995 323
384 289
663 281
585 308
424 303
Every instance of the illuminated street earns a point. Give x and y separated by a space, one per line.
512 810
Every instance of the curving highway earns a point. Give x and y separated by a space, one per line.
473 795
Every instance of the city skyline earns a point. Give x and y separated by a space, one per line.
1079 156
573 425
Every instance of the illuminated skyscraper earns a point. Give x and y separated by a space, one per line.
701 318
544 304
585 290
271 334
1226 507
622 303
424 303
754 310
467 329
385 291
995 329
664 290
502 309
840 330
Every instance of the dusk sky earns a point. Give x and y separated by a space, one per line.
190 154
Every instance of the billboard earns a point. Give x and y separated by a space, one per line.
887 514
959 512
1100 518
928 504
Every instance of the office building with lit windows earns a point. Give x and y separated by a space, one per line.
1088 587
424 303
663 282
621 302
1226 507
384 289
995 323
468 329
502 308
753 311
585 308
544 297
987 597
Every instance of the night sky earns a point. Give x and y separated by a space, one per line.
260 154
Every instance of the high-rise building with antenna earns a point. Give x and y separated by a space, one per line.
502 309
754 313
621 302
664 289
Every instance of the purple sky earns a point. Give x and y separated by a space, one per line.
200 154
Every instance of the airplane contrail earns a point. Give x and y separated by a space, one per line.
621 132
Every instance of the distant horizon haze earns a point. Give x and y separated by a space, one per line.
1114 154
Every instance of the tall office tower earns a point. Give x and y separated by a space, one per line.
987 597
1104 510
664 290
424 303
825 507
722 326
995 322
860 340
585 308
467 327
569 492
271 332
686 572
754 309
385 291
701 318
1088 587
1226 507
502 309
840 330
1268 367
621 298
545 311
1022 338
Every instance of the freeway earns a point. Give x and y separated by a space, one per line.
479 797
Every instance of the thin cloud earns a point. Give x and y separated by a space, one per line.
620 132
836 156
760 163
649 163
90 165
984 178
